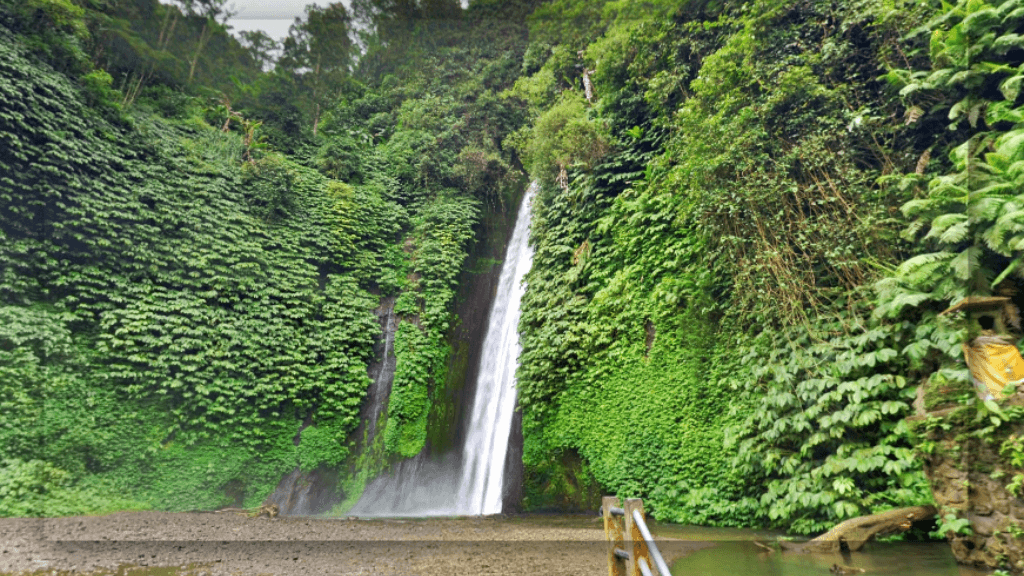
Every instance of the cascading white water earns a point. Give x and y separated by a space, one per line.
424 487
483 456
382 383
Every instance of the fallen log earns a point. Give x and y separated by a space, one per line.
853 533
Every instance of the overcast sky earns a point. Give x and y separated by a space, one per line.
270 9
272 16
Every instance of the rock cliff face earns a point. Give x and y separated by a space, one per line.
976 471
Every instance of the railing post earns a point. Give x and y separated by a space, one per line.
613 533
635 544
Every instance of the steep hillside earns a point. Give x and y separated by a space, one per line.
751 216
181 300
729 314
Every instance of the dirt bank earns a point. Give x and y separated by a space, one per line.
232 543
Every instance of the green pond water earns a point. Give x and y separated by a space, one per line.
735 554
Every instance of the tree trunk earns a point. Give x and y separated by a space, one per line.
853 533
203 38
316 95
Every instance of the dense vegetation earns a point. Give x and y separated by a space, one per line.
193 247
721 257
750 217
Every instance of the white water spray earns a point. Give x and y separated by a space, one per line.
424 487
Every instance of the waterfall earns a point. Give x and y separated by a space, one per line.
470 482
381 388
483 456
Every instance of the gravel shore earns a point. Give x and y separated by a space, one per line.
228 543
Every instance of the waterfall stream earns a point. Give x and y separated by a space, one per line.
483 456
470 482
381 388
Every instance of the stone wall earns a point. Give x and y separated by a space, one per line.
976 471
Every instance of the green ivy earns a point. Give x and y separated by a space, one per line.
162 299
439 242
705 281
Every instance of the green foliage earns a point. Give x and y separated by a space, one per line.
97 88
1011 453
210 474
564 137
440 236
322 446
171 318
969 218
319 52
736 208
178 295
950 525
182 293
55 29
421 145
829 435
35 488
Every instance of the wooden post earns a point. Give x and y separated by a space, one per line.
614 535
635 544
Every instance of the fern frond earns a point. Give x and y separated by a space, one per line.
911 231
1002 188
944 192
908 267
1016 172
909 299
1011 144
986 209
995 236
997 161
915 207
967 263
955 234
942 223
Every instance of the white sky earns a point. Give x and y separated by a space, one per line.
272 16
270 9
277 9
276 28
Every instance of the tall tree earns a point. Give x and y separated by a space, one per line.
213 16
393 20
320 50
260 46
384 20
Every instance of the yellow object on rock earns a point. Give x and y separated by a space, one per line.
994 362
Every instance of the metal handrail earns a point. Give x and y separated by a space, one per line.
651 546
638 556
